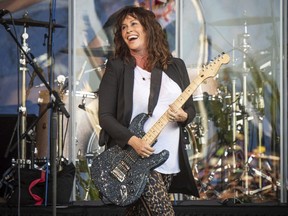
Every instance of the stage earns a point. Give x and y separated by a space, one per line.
237 140
187 208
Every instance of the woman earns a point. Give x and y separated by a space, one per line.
141 51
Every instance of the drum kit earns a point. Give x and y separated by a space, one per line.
224 161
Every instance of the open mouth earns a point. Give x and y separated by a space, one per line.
132 37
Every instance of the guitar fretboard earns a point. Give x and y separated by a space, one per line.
207 71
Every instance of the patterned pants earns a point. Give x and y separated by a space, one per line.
155 199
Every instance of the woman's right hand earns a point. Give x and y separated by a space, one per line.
142 148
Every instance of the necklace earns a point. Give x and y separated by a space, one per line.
145 76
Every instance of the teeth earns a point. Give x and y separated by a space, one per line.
132 37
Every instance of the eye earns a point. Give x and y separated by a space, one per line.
123 27
135 22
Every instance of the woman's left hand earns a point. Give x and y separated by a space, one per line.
177 115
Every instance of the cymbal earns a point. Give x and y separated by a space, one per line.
26 21
245 20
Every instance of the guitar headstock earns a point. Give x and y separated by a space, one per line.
211 69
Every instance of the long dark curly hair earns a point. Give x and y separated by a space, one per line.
158 48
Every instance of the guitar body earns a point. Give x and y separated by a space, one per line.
120 174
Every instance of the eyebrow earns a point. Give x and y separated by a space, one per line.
134 19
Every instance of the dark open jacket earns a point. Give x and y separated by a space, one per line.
115 110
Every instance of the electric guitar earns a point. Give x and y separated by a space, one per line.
120 174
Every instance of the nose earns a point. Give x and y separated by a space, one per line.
128 29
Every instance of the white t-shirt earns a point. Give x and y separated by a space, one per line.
169 137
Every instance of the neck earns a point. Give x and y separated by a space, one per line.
138 53
140 57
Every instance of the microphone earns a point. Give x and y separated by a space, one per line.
3 12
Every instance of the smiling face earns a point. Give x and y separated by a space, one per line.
134 35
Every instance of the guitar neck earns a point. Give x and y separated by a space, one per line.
205 73
156 129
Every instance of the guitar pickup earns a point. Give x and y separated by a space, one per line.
118 174
124 166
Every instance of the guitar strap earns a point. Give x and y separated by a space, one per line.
156 77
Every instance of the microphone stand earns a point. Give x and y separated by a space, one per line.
57 103
22 109
245 70
56 114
